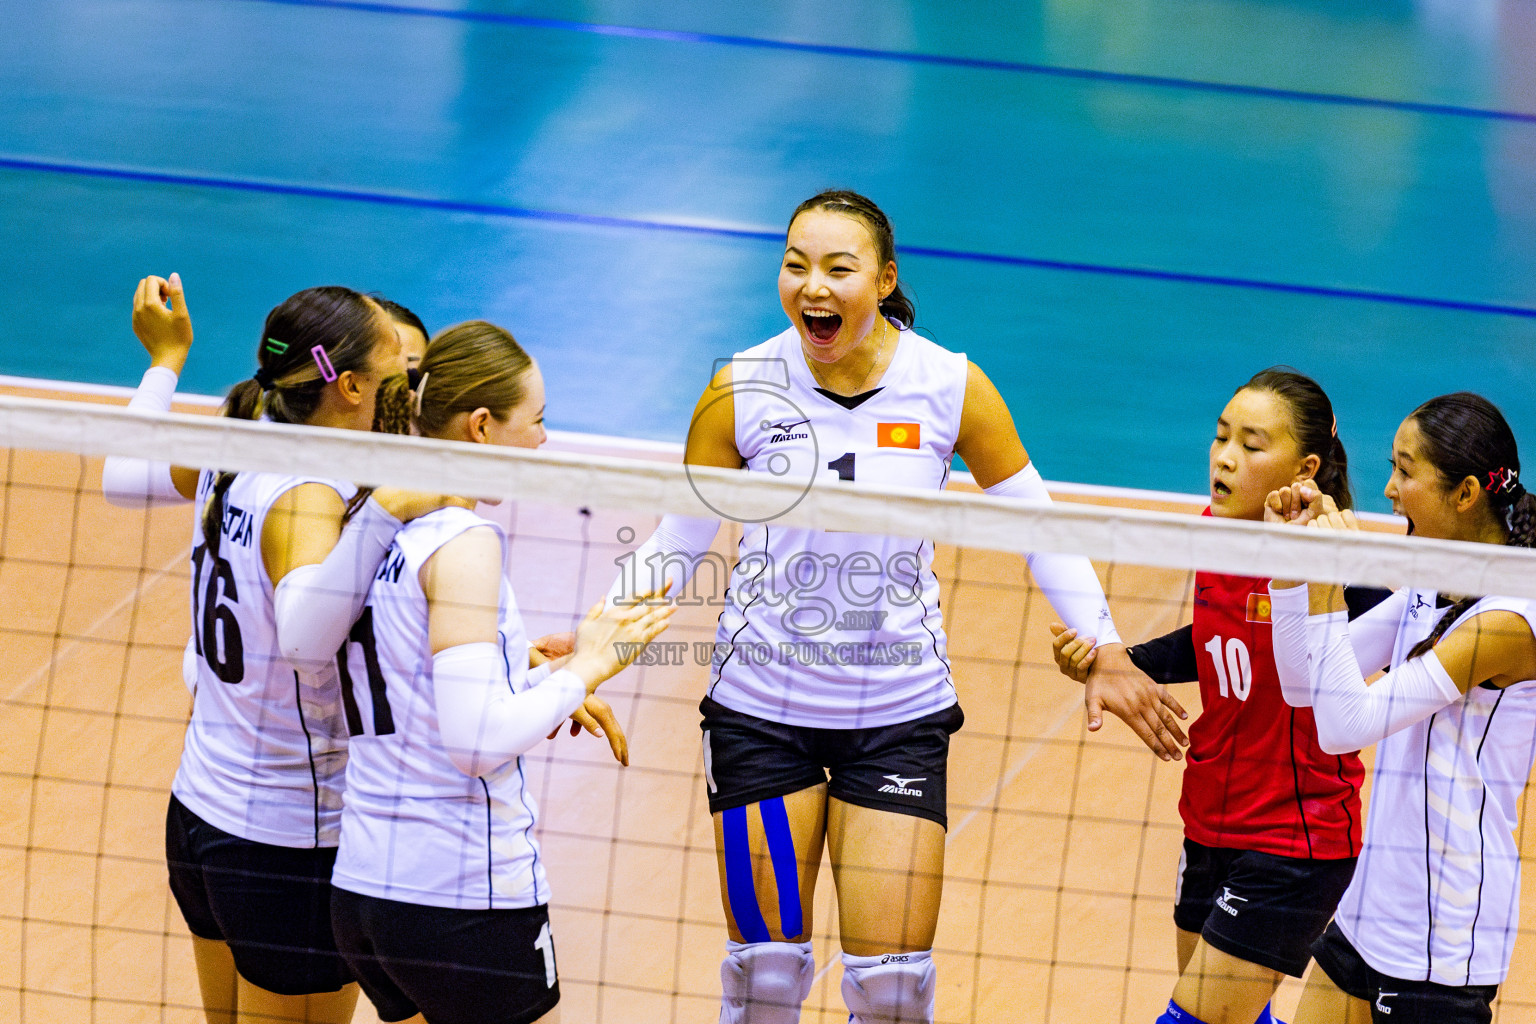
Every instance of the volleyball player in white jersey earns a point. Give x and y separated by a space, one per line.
255 809
440 902
1425 930
831 651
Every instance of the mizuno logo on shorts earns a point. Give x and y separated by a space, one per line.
901 786
1226 900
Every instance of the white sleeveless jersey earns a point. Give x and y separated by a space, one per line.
266 750
827 629
416 829
1436 893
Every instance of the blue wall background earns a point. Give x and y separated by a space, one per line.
1120 210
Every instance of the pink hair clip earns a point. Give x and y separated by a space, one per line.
324 362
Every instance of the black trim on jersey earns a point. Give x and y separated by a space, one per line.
1301 809
1482 847
745 621
1354 851
490 884
849 402
522 789
309 754
917 592
1429 900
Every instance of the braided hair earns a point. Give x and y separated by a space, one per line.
1463 436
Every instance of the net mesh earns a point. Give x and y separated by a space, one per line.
1062 847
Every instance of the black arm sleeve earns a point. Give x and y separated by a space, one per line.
1362 599
1169 658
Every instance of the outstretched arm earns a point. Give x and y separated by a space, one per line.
482 722
679 542
989 443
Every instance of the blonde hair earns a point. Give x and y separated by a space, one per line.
469 366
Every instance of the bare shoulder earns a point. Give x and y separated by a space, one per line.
712 431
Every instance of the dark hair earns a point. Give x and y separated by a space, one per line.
289 381
1313 424
897 306
1464 435
399 314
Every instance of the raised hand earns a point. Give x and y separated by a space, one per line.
164 331
612 636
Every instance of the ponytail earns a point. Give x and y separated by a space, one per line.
307 340
1465 435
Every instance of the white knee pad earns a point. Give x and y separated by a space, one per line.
894 989
765 982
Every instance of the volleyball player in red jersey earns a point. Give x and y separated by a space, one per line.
1271 822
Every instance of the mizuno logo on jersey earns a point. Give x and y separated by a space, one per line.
1419 601
1226 900
238 526
1201 600
784 430
898 435
901 786
389 569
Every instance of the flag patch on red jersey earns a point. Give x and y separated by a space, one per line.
898 435
1258 608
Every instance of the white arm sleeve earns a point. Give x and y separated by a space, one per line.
1068 581
1289 634
671 554
1352 715
1299 636
316 605
1374 634
483 723
138 483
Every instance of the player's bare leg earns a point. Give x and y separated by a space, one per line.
1323 1002
259 1006
1219 988
216 979
769 854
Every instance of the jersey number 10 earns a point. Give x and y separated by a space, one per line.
1235 670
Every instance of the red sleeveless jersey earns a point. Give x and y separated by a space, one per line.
1255 777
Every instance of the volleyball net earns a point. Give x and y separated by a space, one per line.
1061 849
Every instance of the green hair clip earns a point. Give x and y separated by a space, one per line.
276 347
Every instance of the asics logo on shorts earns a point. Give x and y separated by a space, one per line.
895 958
1227 899
901 786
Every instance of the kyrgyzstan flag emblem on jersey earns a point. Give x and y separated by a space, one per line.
1258 608
898 435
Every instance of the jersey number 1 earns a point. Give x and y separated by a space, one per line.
1235 670
383 718
546 944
